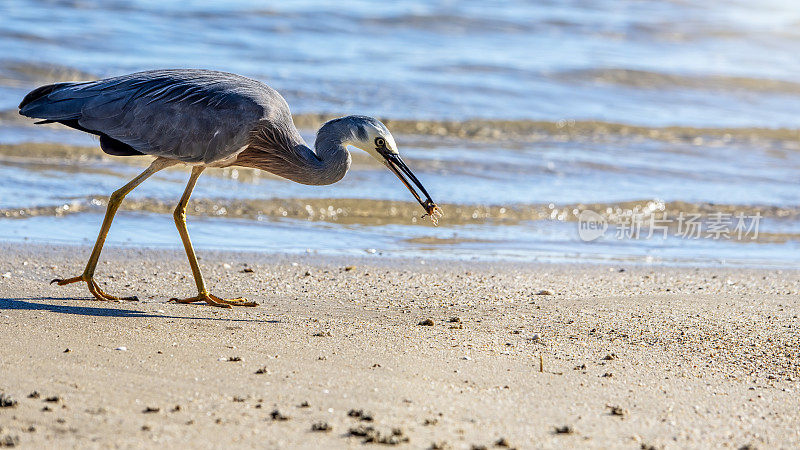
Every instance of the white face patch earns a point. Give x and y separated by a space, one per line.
375 138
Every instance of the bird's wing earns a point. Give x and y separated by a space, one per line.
192 116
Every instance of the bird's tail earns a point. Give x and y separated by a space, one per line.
45 103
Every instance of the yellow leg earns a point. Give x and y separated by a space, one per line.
180 222
113 205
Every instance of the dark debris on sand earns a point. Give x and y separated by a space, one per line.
373 436
502 442
565 429
7 401
277 416
8 440
360 414
321 426
616 411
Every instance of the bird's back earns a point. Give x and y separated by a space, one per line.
196 116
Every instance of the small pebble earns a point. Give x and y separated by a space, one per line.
426 323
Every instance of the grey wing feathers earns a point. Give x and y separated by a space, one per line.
189 115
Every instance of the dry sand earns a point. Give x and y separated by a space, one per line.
645 357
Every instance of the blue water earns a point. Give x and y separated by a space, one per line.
723 66
427 59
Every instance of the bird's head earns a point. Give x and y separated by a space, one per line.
373 137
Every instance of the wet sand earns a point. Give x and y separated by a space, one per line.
539 355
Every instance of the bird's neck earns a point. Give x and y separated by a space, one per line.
287 155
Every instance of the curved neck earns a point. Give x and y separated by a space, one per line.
294 160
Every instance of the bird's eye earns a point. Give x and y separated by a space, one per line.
380 142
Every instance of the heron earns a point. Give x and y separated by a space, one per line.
203 118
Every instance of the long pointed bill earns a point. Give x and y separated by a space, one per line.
402 171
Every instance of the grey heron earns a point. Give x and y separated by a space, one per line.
205 118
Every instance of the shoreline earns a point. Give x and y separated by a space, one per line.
655 356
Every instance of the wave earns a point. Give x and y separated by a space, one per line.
359 211
488 130
644 79
537 130
25 74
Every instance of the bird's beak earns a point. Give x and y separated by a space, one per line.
396 165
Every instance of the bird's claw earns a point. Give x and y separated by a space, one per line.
213 300
93 288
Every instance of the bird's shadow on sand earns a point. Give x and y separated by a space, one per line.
28 305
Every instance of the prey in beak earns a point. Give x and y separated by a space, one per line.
399 167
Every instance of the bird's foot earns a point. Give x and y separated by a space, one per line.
213 300
93 288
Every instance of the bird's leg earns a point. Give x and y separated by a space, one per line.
113 205
180 222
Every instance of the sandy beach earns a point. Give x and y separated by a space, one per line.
532 355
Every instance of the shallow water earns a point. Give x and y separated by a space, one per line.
516 116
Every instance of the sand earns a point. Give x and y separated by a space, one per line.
611 356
